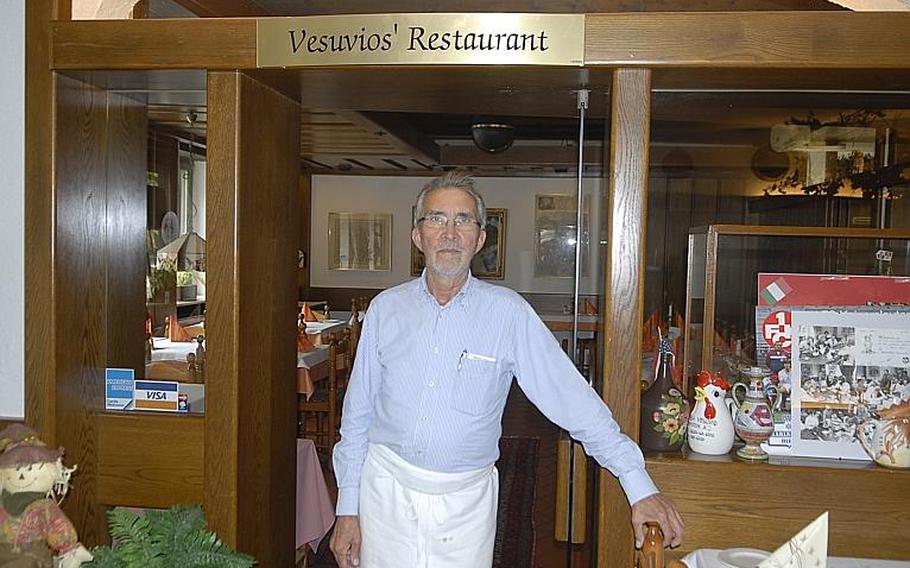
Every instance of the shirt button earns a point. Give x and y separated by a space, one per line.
425 418
432 384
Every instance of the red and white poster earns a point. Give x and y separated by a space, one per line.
780 294
778 290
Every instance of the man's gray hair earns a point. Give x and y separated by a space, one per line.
455 179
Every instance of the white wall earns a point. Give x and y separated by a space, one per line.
396 195
199 197
12 214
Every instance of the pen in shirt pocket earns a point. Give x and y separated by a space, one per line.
465 354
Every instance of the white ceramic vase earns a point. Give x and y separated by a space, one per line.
711 422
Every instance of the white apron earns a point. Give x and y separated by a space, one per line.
416 518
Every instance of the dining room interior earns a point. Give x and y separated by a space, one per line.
248 217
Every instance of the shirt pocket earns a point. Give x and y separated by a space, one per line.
476 385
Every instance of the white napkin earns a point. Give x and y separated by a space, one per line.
808 549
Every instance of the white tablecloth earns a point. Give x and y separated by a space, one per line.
327 326
707 558
167 350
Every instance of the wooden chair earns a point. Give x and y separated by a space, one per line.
651 554
341 365
358 310
319 417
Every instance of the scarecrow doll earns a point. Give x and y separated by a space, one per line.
34 531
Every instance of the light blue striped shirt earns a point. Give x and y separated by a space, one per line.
430 382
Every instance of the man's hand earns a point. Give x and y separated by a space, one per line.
660 509
345 542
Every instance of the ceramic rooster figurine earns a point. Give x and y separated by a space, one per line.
711 423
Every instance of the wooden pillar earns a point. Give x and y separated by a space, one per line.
252 177
97 277
40 369
624 292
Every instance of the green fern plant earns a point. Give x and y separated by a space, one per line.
177 536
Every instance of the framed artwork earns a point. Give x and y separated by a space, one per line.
489 263
360 241
554 235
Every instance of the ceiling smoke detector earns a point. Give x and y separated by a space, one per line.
492 135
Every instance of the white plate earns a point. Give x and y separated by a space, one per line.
742 557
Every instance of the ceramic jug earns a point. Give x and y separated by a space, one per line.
664 410
753 421
887 439
711 422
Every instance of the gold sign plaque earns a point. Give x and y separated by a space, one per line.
421 39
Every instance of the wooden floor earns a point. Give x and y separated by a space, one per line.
521 418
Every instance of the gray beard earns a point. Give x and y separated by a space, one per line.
450 273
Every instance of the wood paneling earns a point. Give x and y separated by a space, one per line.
623 290
314 7
753 39
222 443
763 505
822 40
99 270
220 8
80 291
126 254
150 460
40 360
253 212
155 44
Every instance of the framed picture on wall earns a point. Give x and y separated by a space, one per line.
554 235
360 241
489 263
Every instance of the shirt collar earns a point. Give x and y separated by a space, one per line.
461 298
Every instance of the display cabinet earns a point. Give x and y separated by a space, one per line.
723 266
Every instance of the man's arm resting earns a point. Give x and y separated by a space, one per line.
648 504
660 509
345 542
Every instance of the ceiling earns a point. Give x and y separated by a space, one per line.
405 121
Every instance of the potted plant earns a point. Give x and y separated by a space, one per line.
162 280
177 536
186 286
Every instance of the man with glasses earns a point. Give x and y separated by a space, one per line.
423 410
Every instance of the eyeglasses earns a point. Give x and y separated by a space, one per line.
462 221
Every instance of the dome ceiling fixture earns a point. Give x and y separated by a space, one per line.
492 135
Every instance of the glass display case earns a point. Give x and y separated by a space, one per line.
722 280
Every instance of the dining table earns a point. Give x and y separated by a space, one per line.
167 350
317 331
714 558
312 367
315 512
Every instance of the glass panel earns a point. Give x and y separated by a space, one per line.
175 284
769 158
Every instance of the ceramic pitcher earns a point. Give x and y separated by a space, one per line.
711 423
887 439
753 421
